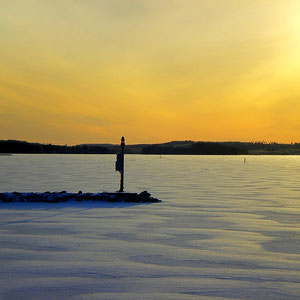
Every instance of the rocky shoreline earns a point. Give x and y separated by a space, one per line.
58 197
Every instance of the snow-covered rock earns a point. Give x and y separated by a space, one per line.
56 197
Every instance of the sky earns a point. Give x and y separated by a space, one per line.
91 71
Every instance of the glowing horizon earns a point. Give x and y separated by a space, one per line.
74 72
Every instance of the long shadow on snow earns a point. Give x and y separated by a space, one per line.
78 206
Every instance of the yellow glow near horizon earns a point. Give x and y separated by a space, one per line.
153 71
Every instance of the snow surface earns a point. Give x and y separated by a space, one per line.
225 230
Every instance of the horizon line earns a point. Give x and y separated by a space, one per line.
152 143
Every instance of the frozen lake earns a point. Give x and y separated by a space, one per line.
225 229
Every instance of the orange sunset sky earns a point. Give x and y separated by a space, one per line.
90 71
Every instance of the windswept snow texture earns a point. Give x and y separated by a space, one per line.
225 230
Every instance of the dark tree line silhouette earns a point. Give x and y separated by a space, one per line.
175 147
25 147
198 148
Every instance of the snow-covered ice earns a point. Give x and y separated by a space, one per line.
225 229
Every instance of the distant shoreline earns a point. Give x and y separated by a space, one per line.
248 154
9 147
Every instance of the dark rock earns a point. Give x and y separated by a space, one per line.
145 194
56 197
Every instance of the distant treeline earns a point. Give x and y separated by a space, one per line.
200 148
25 147
221 148
175 147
